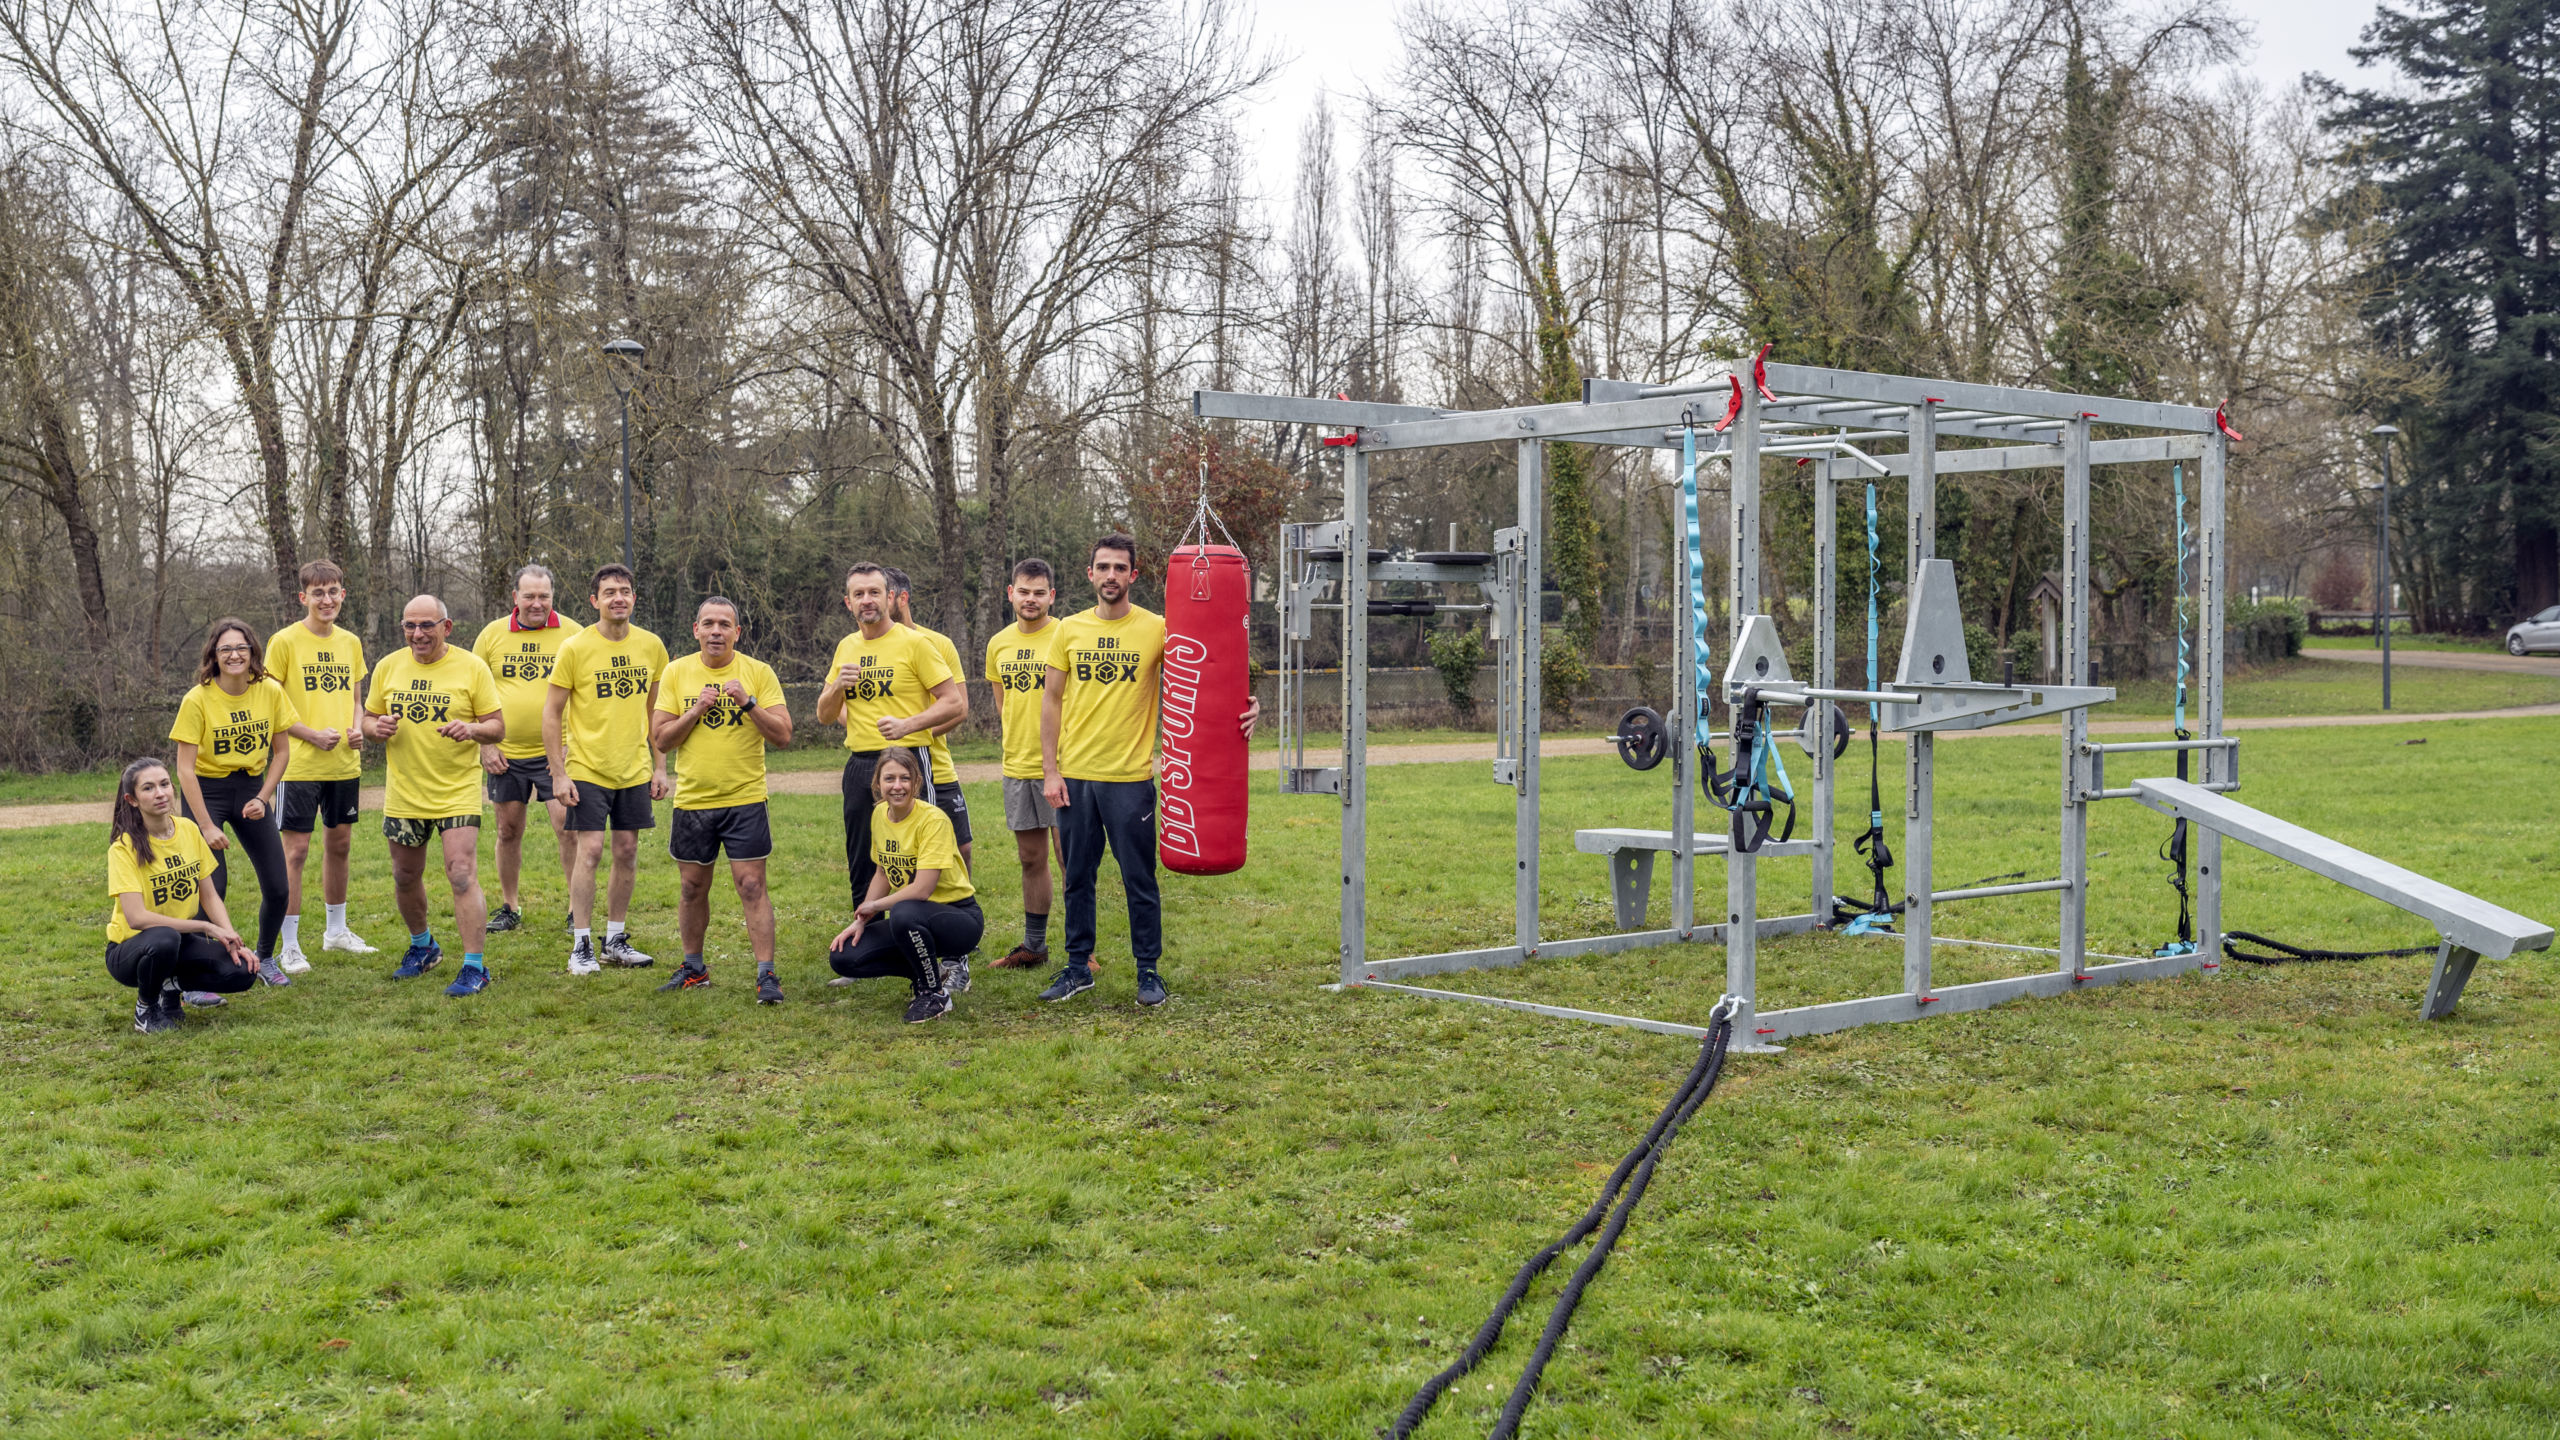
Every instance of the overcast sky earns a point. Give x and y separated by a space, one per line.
1341 46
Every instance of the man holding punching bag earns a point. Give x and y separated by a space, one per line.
1097 763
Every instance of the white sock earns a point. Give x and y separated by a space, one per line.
612 928
293 932
585 937
337 917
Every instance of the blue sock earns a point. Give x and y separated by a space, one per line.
423 937
470 959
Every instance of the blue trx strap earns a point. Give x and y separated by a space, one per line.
1701 732
1880 907
2175 850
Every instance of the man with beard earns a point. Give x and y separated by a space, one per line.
1097 763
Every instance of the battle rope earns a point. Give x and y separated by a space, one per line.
2296 953
2174 851
1757 784
1639 1163
1880 907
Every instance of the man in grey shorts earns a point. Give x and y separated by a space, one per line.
1018 666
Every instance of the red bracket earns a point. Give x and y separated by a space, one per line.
1733 410
1760 371
1351 439
2222 422
1766 1030
1929 999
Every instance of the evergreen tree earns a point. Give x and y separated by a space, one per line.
2457 164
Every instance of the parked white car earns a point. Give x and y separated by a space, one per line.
2539 631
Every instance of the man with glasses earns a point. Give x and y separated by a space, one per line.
434 706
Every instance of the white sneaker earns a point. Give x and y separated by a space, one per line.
346 941
582 959
292 961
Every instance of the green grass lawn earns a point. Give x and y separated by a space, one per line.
2312 686
2401 639
2268 1204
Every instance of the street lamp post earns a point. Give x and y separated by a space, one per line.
626 350
2382 582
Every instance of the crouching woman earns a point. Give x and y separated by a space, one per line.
168 933
921 916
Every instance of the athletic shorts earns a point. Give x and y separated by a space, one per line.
956 805
328 802
699 836
1026 807
601 807
525 780
405 830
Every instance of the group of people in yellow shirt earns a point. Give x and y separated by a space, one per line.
585 720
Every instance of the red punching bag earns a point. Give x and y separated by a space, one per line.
1207 682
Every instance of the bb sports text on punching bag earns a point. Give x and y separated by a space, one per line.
1207 652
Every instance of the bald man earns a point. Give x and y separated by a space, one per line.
434 706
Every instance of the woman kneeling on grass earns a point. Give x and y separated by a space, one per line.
159 875
921 910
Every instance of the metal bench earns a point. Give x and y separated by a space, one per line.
2469 928
1631 855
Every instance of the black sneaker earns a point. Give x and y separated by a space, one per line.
928 1005
687 976
1150 987
505 918
955 976
768 989
150 1017
1072 981
173 1003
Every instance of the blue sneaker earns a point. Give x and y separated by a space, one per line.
417 960
472 980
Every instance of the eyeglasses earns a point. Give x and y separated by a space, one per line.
232 650
418 627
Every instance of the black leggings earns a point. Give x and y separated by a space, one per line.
912 940
223 796
158 955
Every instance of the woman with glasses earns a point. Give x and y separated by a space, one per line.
232 752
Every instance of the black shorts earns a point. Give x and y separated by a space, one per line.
329 802
525 780
601 807
956 805
699 836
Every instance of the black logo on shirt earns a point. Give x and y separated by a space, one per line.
531 665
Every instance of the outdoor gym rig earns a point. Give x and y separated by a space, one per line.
1835 421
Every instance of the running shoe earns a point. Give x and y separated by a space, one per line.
687 976
618 950
582 958
472 980
172 1004
271 972
150 1017
1073 980
346 942
417 960
840 982
928 1005
293 961
1150 987
203 999
768 989
1023 957
504 918
955 976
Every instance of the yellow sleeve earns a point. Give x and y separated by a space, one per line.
188 728
929 664
484 692
657 659
768 685
938 846
376 685
280 650
564 668
122 877
669 702
487 639
989 673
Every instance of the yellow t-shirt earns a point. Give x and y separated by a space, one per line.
233 734
432 777
605 730
1107 717
521 661
319 675
923 841
1018 665
949 655
898 670
172 884
722 762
